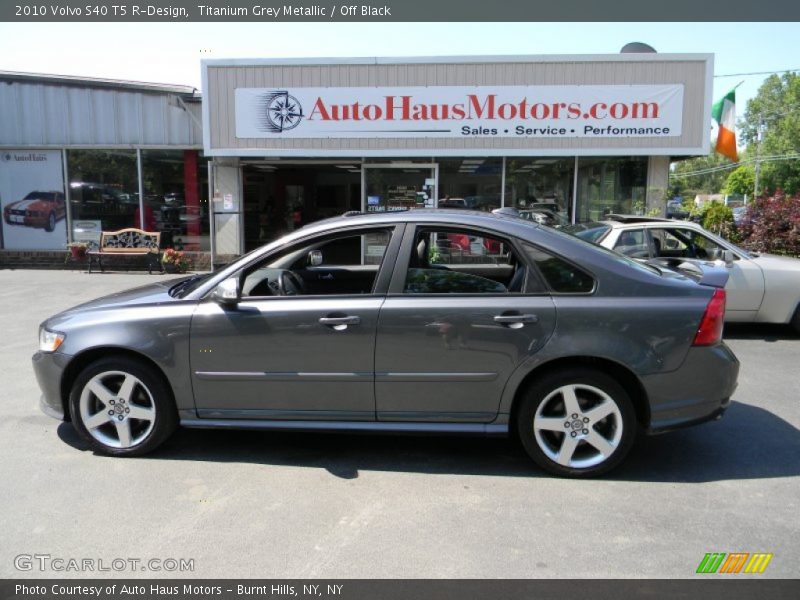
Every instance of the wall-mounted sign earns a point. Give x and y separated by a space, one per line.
33 202
566 111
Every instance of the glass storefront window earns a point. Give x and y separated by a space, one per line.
176 198
611 185
471 183
543 185
279 198
390 188
103 190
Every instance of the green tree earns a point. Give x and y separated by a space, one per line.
776 109
688 186
740 181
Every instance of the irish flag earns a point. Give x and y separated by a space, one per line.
724 113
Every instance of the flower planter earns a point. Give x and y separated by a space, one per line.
77 252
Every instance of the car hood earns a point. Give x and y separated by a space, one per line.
149 295
774 262
33 204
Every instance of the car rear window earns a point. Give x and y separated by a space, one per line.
561 276
609 253
591 232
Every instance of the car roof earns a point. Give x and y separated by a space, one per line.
633 221
634 218
436 215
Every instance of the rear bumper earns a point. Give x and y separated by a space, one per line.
49 369
699 391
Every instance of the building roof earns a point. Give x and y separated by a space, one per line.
187 92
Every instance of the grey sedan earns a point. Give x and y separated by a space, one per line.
413 322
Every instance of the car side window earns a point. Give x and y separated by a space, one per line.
562 277
633 243
340 264
463 261
684 243
705 247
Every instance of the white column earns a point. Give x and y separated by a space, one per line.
228 224
657 183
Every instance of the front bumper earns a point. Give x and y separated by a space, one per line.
28 221
700 390
49 369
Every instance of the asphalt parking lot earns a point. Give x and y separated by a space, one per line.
251 504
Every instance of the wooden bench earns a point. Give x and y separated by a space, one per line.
128 242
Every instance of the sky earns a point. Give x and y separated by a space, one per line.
171 52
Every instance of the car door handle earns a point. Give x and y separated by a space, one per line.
327 277
339 323
509 319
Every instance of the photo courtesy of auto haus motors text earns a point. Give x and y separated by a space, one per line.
33 200
157 590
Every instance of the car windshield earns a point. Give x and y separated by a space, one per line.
40 196
591 231
186 286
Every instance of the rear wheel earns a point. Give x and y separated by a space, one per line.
576 422
51 222
122 407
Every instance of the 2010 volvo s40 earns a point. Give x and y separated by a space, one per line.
421 321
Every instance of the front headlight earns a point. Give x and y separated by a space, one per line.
49 341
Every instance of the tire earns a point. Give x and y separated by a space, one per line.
576 442
51 222
122 407
795 322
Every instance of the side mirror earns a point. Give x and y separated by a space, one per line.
728 257
315 258
227 292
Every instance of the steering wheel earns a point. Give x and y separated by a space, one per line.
289 284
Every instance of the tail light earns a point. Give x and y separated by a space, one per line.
710 330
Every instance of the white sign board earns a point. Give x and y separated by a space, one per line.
543 111
87 230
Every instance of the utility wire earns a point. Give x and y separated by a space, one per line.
757 73
746 161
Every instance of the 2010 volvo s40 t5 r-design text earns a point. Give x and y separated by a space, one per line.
419 321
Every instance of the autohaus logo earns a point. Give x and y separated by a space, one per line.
29 157
280 111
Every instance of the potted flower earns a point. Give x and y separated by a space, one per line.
77 250
175 261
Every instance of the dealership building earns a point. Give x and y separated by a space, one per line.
271 145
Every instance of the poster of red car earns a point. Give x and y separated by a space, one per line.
33 200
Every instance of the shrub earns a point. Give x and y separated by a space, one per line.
772 224
714 216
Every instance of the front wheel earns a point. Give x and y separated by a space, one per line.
795 322
51 222
122 407
576 422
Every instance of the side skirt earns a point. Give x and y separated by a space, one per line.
349 426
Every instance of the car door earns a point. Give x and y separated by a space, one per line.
299 356
455 325
745 287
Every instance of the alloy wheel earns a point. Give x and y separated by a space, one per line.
117 409
578 426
